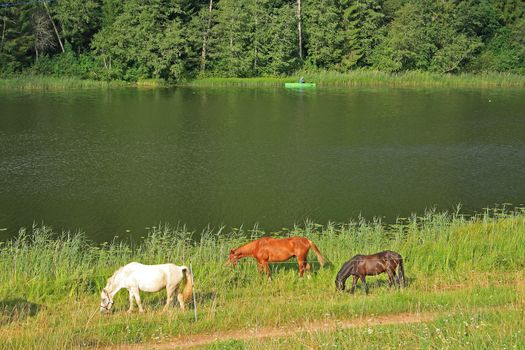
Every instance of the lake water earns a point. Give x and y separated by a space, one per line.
113 162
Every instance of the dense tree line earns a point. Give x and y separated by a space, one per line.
174 39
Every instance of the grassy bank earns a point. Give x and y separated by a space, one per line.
35 82
376 78
322 78
456 266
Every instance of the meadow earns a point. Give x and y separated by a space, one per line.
363 77
40 82
465 273
323 78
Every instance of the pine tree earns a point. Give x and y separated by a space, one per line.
324 37
278 51
145 40
232 53
364 24
17 38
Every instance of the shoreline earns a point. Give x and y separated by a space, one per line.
358 78
50 284
365 78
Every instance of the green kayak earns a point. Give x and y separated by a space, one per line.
299 85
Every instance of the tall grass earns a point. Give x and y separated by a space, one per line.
452 262
38 82
354 78
435 243
377 78
241 82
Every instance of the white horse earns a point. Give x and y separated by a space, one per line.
148 278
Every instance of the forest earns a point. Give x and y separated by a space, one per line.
176 40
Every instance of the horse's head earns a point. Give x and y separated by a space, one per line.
339 285
106 301
232 258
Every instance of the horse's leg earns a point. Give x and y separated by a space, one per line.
170 290
267 269
131 305
396 278
259 268
180 298
390 277
308 270
354 283
136 293
363 279
300 262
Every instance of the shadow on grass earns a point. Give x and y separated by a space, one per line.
203 297
156 301
14 310
375 283
291 265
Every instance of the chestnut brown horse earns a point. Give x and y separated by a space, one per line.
268 249
361 266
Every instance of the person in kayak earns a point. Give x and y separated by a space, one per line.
301 80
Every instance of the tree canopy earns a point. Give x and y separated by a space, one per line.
176 39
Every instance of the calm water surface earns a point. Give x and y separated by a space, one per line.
113 162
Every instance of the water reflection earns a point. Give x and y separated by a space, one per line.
106 161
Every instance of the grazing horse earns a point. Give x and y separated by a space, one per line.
148 278
268 249
361 266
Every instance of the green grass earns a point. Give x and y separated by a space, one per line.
152 83
354 78
35 82
501 329
50 285
376 78
241 82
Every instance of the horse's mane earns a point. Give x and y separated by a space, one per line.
249 246
112 278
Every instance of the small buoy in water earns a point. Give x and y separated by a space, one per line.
127 230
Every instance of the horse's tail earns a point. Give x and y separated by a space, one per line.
401 272
188 288
321 259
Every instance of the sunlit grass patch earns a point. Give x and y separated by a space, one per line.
50 283
376 78
37 82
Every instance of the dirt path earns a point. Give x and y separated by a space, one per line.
189 341
266 332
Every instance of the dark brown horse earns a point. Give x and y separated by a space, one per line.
361 266
268 249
